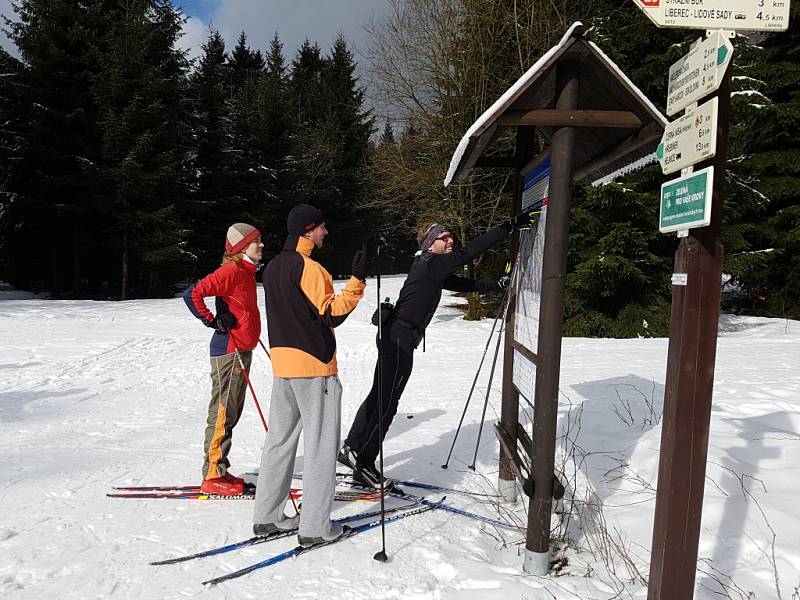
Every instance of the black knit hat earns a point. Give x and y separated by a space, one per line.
303 218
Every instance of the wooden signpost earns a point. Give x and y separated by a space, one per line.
692 205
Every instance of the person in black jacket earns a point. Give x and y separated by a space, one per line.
431 272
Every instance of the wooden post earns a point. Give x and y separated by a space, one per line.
689 386
509 414
554 267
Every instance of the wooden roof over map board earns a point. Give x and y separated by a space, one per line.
616 124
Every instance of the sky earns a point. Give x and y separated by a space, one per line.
317 20
6 10
295 20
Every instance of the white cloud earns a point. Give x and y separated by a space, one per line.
7 11
195 33
318 20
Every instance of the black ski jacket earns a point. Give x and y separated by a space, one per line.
429 274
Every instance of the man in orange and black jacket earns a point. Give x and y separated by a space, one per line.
302 310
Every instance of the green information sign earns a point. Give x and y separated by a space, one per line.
686 202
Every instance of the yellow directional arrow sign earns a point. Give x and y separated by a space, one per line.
750 15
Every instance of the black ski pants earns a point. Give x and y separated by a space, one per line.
395 363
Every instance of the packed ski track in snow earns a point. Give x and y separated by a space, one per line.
102 394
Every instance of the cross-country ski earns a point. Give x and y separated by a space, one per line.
255 540
298 550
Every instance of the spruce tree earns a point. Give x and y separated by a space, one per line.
273 107
54 177
145 144
251 180
351 127
12 148
233 183
314 142
245 64
619 264
211 207
275 131
763 210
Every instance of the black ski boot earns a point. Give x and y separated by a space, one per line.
369 476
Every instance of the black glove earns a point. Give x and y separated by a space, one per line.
224 321
503 282
519 221
360 263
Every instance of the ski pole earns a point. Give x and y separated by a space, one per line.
500 312
471 390
381 555
250 385
269 356
491 372
486 400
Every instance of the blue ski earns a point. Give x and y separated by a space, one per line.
255 540
441 488
298 550
465 513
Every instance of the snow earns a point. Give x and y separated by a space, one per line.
634 166
97 394
748 93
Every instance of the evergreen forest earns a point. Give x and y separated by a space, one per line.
122 162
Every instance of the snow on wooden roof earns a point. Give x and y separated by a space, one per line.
600 151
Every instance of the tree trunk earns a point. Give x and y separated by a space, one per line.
124 285
76 256
54 268
474 311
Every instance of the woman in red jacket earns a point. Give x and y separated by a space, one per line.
237 326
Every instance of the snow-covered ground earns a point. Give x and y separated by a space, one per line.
98 394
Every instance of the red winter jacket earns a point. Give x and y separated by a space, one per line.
234 288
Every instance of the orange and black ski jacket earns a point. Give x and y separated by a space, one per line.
302 310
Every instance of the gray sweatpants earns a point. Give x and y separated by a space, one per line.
311 405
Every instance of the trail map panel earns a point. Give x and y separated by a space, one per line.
528 280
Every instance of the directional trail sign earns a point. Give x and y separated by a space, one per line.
699 73
690 139
686 201
750 15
